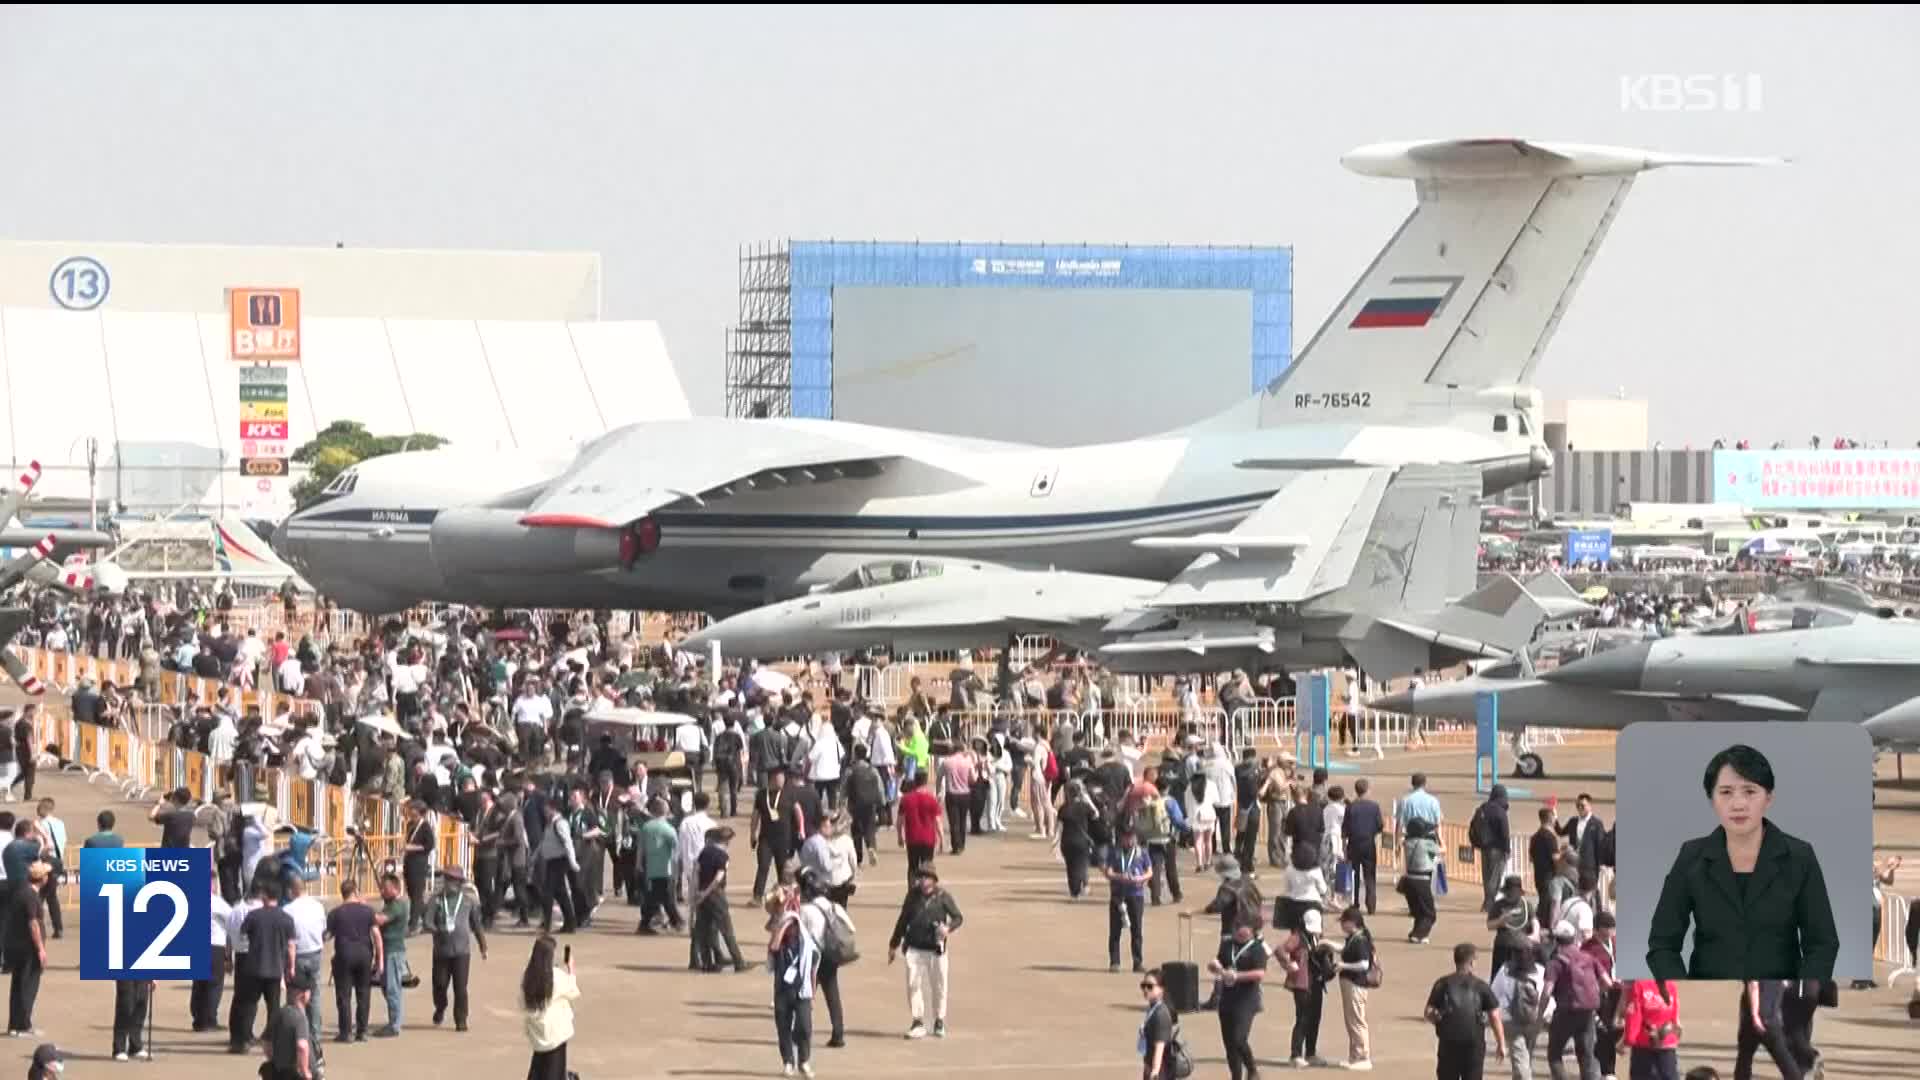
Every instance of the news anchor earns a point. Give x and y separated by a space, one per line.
1752 894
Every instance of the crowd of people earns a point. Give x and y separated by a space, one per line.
491 725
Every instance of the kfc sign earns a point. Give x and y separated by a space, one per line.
264 429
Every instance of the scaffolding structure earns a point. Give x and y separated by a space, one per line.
760 347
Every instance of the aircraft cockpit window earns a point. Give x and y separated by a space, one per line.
1550 653
1773 618
1523 425
342 484
891 572
1500 422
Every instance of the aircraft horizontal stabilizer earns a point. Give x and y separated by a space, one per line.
1232 543
1517 159
1502 615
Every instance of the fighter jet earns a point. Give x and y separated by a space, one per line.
1790 661
1391 609
1426 360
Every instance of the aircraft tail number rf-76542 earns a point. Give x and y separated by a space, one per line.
1359 399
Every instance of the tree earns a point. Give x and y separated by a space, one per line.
345 443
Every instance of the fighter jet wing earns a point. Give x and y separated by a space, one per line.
630 472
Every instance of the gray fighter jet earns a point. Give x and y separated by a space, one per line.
1783 661
1382 598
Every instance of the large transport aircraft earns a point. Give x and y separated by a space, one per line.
1426 362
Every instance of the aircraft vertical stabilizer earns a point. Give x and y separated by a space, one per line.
1423 529
1467 293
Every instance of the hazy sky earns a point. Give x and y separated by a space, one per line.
1757 303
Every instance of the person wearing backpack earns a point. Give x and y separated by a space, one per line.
1454 1008
1520 987
1359 972
831 928
1162 1057
1490 834
1155 822
1512 921
793 955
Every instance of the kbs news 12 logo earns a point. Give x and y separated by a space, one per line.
146 913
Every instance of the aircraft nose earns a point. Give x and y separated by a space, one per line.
1617 669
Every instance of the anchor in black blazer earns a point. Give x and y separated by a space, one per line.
1781 928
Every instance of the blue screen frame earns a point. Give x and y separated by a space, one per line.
818 267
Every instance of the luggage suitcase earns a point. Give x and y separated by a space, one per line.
1182 976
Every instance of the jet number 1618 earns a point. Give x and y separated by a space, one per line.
1360 399
856 615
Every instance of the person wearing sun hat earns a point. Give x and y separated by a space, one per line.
928 918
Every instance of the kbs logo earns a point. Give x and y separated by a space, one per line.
1690 93
264 429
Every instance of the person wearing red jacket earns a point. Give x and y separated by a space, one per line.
1649 1022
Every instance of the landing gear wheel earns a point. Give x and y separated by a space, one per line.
1529 766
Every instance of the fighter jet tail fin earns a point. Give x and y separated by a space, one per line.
1418 549
1455 312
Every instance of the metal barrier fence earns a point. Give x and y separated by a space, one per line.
139 768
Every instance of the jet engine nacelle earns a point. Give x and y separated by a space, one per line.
480 541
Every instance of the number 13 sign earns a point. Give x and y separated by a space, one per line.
146 913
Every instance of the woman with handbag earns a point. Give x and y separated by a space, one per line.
547 994
1357 975
1162 1057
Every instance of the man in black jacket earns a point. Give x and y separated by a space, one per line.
1361 825
1491 836
1541 849
928 918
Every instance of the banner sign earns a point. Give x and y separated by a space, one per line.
264 375
1818 479
263 466
1589 545
263 410
264 429
265 323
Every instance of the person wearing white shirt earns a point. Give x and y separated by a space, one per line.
1521 1037
824 764
293 680
309 917
205 1003
691 740
693 840
309 755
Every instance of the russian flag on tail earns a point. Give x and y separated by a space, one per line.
1413 300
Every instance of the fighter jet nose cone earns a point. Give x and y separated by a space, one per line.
1900 723
1615 669
1401 702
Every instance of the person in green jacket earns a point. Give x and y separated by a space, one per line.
916 749
658 842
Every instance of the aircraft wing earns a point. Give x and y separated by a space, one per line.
1308 539
633 471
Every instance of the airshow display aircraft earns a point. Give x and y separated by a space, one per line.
1425 362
